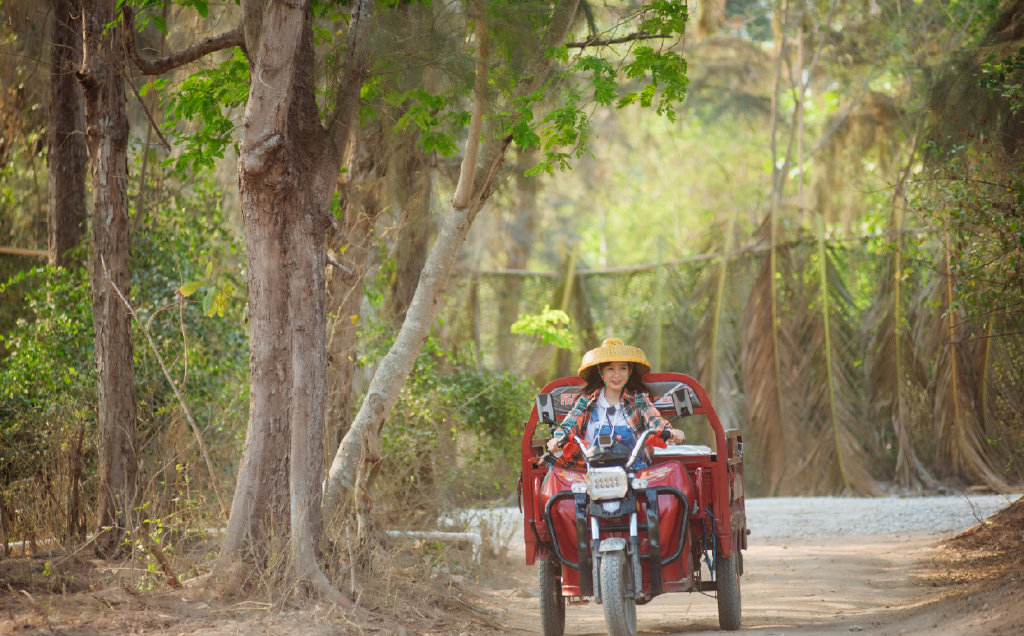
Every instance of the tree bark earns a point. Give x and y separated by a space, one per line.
287 171
66 158
272 211
107 134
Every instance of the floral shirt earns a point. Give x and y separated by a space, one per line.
638 410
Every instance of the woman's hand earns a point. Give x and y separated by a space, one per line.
555 443
678 437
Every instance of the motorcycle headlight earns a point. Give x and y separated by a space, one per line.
607 483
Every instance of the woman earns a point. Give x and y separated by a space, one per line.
615 400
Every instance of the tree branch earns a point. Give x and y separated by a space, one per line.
467 172
633 37
180 58
149 116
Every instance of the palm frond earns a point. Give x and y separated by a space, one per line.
889 363
822 390
960 452
767 423
717 348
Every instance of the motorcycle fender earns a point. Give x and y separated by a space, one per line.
611 544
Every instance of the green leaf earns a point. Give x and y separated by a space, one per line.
156 84
550 325
208 299
190 288
207 97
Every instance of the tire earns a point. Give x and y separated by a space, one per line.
730 611
552 603
616 582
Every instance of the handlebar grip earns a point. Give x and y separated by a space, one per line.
561 436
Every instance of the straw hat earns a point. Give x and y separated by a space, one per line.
613 350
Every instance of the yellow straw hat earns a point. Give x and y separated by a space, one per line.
613 350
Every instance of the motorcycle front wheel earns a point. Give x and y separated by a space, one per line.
552 603
616 583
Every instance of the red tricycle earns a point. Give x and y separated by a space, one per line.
622 534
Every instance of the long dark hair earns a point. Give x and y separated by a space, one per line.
592 377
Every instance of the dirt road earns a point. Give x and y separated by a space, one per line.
804 587
816 566
840 583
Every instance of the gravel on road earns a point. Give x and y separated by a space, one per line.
773 518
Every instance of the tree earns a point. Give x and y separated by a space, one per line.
66 159
288 167
290 158
102 80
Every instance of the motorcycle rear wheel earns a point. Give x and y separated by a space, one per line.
727 574
552 603
616 583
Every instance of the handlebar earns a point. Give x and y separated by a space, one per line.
632 456
636 447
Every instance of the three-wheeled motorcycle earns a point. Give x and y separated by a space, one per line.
621 531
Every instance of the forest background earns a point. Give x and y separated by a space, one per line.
827 233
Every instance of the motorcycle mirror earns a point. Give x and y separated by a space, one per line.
546 409
682 404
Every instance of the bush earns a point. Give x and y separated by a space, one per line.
48 395
453 437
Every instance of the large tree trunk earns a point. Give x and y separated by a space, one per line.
273 216
286 174
107 132
260 506
66 155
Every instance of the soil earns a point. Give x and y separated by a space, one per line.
909 585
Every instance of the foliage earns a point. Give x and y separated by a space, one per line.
983 219
49 444
205 100
549 325
453 437
438 127
1006 78
49 354
188 238
556 117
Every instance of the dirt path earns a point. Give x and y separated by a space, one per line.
823 566
836 582
854 584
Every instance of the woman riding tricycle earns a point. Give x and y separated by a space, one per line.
617 508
